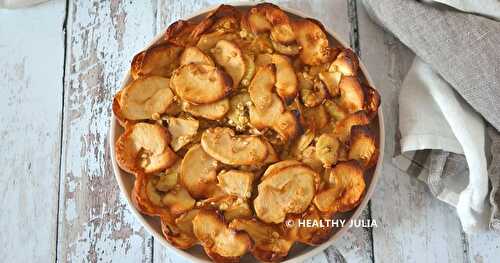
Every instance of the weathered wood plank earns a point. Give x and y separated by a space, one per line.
483 248
356 245
412 225
31 73
94 222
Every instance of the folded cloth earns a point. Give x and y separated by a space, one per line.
442 138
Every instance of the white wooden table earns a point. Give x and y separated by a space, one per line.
61 63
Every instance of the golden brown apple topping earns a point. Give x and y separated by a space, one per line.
241 120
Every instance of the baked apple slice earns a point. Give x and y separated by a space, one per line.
236 182
352 96
291 189
268 17
312 91
144 147
313 40
159 60
250 69
327 149
316 117
372 101
227 147
229 56
346 63
274 168
200 84
261 88
179 232
178 200
362 146
231 206
211 111
270 243
195 55
117 111
182 130
286 80
346 186
334 110
142 98
181 33
221 243
143 199
343 127
198 172
331 81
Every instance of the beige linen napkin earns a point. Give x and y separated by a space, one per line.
442 136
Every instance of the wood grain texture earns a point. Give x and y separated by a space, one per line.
413 226
355 245
94 221
31 72
483 248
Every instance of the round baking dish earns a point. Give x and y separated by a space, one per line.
299 252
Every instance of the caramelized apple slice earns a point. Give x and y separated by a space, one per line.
263 59
286 125
362 146
274 168
310 158
144 147
159 60
180 232
289 50
270 243
141 197
312 91
250 69
178 200
261 88
117 111
182 131
200 84
372 101
334 110
207 41
223 145
236 182
142 98
346 63
327 149
316 117
229 56
345 189
180 33
231 206
331 81
313 40
286 80
352 97
195 55
268 17
198 172
211 111
343 127
221 243
292 189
